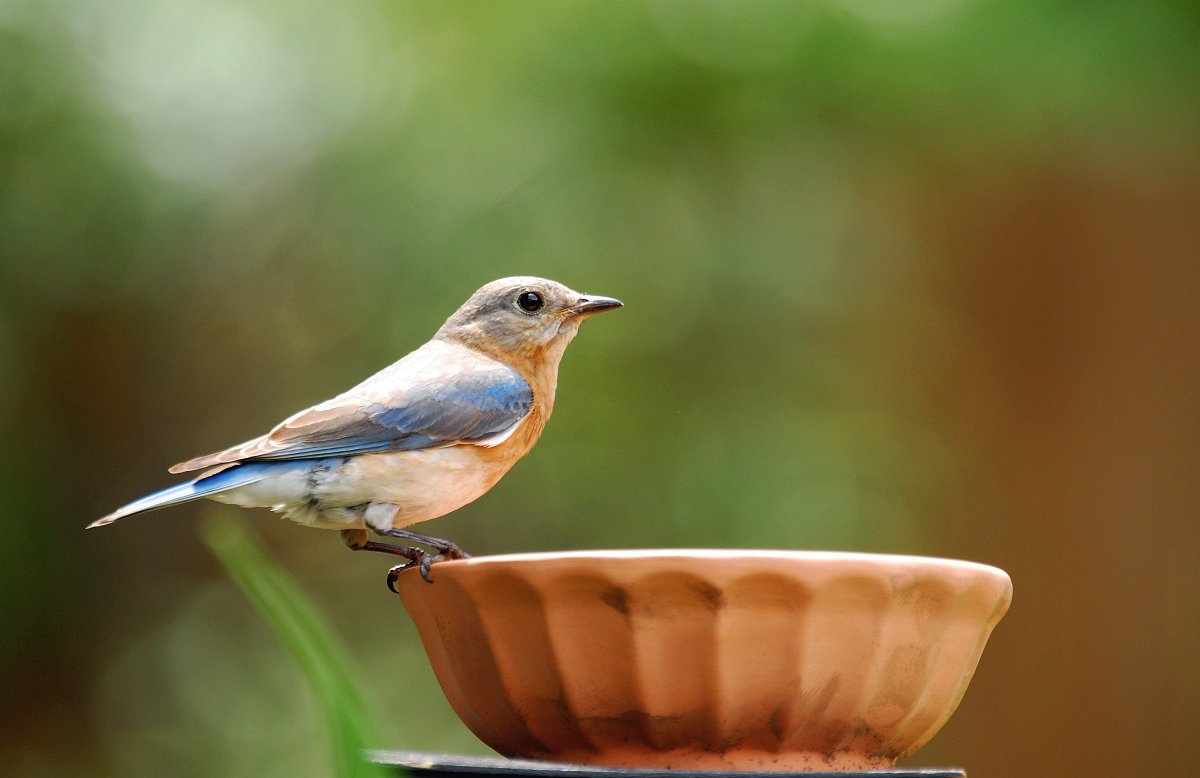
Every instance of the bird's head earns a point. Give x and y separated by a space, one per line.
523 317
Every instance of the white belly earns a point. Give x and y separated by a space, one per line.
423 484
333 493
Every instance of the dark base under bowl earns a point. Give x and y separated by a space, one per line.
451 766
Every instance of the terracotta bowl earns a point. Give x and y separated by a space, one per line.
706 660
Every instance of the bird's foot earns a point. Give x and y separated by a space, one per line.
446 549
417 557
423 561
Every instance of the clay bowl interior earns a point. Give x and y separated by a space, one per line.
706 660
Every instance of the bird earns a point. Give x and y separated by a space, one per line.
417 440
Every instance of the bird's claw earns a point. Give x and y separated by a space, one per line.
426 562
414 557
393 574
422 565
423 561
445 553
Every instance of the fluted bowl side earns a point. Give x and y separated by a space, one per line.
730 660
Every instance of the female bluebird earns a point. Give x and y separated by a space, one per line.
415 441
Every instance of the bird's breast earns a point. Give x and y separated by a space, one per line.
432 482
422 484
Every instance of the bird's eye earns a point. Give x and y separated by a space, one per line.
530 302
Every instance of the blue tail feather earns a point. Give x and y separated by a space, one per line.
205 485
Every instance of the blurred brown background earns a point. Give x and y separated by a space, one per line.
911 277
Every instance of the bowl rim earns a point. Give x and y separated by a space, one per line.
815 557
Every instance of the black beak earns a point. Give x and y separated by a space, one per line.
591 304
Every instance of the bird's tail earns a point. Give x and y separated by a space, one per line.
220 480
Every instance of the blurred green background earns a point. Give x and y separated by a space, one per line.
914 277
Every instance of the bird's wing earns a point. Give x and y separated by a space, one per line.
424 401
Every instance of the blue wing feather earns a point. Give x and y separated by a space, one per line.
470 409
439 395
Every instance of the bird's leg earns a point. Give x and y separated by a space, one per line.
445 548
356 540
380 516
